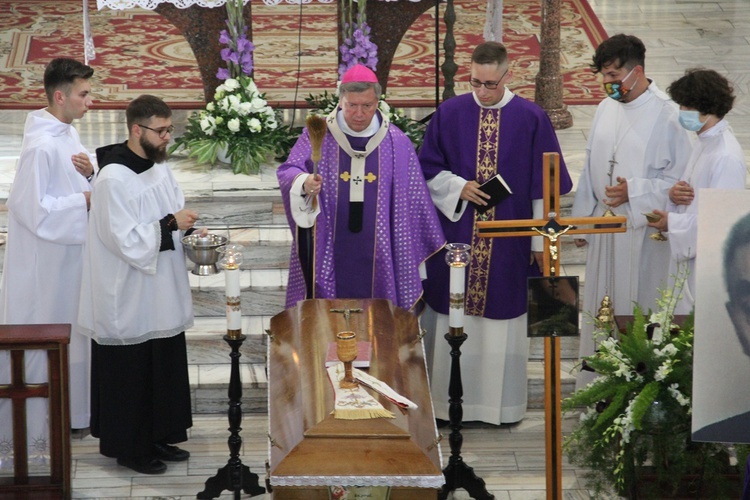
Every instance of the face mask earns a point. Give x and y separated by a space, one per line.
616 89
691 120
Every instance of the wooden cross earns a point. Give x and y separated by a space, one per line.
552 228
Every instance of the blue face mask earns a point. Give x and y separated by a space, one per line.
690 120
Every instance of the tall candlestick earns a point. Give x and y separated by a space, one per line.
231 263
457 257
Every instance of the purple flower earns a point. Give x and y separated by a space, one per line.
357 48
222 74
238 50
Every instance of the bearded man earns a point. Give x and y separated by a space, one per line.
135 297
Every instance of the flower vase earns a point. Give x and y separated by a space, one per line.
222 154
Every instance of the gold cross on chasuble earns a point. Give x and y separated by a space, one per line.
551 229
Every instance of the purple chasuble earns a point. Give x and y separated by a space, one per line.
475 143
400 227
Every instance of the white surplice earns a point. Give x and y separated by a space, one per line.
646 145
47 220
132 292
717 162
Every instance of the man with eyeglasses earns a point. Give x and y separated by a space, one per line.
136 301
636 151
736 266
367 205
470 139
47 218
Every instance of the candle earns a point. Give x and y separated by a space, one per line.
456 303
457 257
234 310
231 263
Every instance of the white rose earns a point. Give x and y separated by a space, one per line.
245 108
224 104
210 106
234 102
271 124
251 87
234 125
231 84
208 124
254 125
258 103
384 107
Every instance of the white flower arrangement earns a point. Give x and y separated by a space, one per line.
637 412
238 120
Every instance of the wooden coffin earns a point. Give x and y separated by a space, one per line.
309 449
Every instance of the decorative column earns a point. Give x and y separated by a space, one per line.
493 25
449 67
549 84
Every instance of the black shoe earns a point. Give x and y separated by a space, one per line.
170 453
144 465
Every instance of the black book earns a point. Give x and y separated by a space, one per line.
498 191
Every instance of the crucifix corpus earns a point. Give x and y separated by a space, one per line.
551 229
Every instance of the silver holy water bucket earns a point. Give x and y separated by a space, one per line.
203 251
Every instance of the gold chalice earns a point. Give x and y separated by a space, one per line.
346 349
657 236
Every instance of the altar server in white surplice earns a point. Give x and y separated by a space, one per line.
135 297
47 219
717 162
636 151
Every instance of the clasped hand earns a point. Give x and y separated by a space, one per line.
617 194
681 193
82 163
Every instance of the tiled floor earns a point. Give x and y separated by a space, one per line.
678 34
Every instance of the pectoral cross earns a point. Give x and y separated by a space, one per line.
612 164
552 229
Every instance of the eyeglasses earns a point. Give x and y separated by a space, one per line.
161 131
488 85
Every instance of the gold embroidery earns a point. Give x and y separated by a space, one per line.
481 248
370 177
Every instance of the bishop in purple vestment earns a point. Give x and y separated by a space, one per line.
368 208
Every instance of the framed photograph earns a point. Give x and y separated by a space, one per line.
721 356
553 306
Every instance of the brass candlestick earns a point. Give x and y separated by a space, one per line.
346 349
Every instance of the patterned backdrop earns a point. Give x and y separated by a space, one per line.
138 51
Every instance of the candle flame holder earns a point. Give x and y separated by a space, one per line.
231 256
457 254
